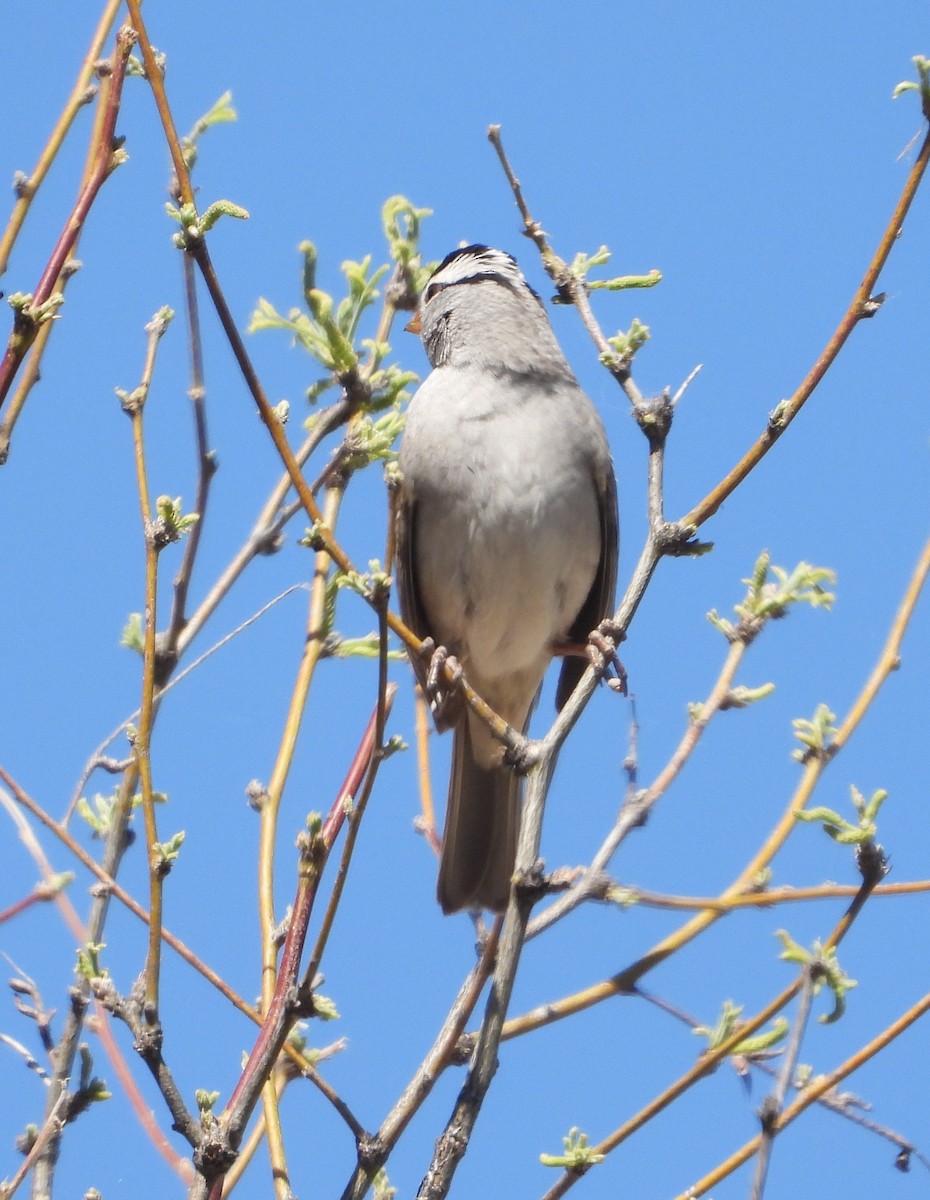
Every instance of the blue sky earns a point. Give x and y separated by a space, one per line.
753 154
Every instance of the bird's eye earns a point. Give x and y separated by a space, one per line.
432 289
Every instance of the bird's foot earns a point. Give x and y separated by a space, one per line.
601 651
442 692
522 756
532 885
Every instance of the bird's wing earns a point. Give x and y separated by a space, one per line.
600 601
411 605
448 712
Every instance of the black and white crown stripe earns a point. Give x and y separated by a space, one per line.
477 264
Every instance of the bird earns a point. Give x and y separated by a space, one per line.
506 538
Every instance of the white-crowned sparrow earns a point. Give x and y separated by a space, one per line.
506 536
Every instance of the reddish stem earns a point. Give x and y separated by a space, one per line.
26 328
281 1012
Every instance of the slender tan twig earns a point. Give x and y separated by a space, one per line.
51 1130
250 1146
157 84
687 383
29 1060
570 286
890 657
714 1055
110 887
289 1001
274 792
136 1101
197 248
275 515
635 810
810 1095
275 789
267 528
29 320
29 376
862 306
774 1102
134 406
705 1065
764 898
624 980
66 1048
323 535
81 94
841 1104
374 1151
97 757
454 1140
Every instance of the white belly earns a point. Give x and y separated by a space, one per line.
507 535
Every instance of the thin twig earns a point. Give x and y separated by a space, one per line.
810 1095
134 406
287 1004
67 1047
375 1150
705 1065
357 804
275 514
49 1133
157 84
843 1105
274 792
97 758
267 528
81 94
514 740
687 383
109 887
622 982
40 894
29 376
713 1056
775 1102
139 1103
49 875
247 1151
863 305
206 465
763 898
29 320
131 1011
453 1142
635 810
570 286
197 248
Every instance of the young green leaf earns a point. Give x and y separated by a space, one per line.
578 1155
